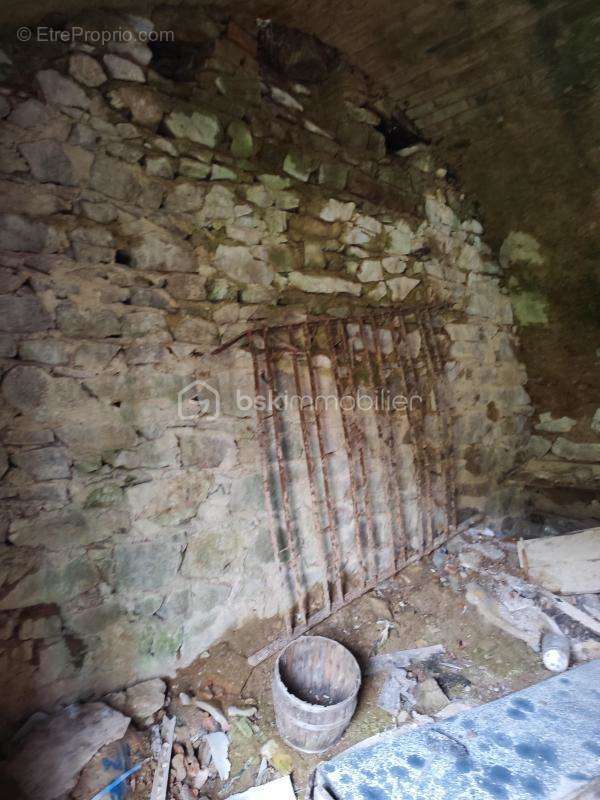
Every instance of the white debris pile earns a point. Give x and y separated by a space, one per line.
516 586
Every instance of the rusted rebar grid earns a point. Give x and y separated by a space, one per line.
324 461
271 519
292 548
442 388
319 533
400 545
385 313
390 500
360 440
415 431
280 642
347 444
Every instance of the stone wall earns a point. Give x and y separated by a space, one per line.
508 91
144 221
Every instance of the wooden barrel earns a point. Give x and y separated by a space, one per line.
315 687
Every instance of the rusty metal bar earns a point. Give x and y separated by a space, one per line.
347 441
314 320
310 468
441 389
400 551
360 440
289 524
265 478
416 376
380 434
333 537
421 469
278 644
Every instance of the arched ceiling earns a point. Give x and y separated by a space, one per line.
509 92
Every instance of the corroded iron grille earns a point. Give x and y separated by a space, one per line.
357 456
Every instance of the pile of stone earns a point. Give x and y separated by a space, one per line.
513 587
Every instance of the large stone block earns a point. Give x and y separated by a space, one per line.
140 701
401 287
123 70
195 330
145 105
112 177
32 581
55 162
87 323
62 91
197 127
186 196
162 452
220 204
61 745
22 234
157 250
23 314
86 70
323 284
239 264
207 449
187 287
45 464
146 566
576 451
143 323
169 499
69 528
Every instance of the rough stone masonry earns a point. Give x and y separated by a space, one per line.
152 209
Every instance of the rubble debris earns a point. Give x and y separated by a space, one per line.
494 613
577 614
556 649
218 743
178 767
217 715
118 781
401 659
430 699
589 603
277 757
398 688
139 701
237 711
109 763
453 708
568 564
61 745
161 775
279 789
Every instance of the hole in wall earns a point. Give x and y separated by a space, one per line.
179 61
399 133
295 55
123 257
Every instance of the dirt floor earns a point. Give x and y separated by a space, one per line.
421 606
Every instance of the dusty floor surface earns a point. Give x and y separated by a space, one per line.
424 607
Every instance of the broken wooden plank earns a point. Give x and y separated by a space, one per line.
567 564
